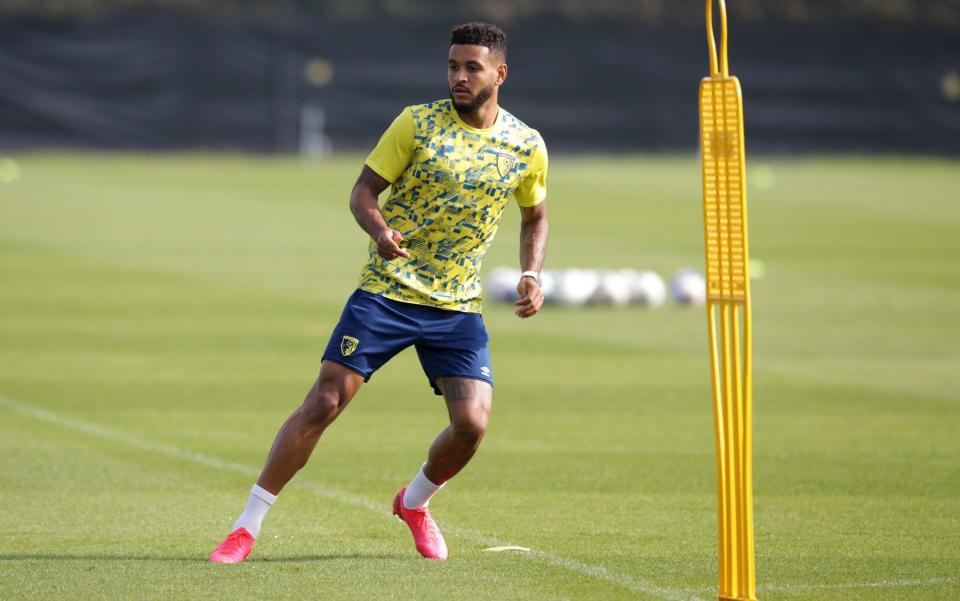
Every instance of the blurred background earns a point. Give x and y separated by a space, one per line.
175 248
311 76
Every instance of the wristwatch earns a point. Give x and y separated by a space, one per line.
532 274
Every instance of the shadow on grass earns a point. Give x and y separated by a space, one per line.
196 559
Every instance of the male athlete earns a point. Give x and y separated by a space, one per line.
452 166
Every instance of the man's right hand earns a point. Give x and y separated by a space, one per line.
388 245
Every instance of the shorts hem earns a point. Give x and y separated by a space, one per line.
433 382
366 376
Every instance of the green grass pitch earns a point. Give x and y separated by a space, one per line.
161 315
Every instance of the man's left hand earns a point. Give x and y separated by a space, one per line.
531 298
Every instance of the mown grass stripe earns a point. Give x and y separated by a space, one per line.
592 570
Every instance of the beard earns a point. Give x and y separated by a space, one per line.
481 97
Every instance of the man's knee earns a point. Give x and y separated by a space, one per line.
469 402
468 430
330 394
322 406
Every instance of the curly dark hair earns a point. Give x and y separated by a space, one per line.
480 34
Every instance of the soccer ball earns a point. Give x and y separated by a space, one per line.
549 283
576 286
688 287
614 288
501 284
647 288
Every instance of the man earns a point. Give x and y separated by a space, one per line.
452 166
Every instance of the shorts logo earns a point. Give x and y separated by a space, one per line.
485 371
505 163
348 345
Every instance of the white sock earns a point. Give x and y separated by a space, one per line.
257 507
420 490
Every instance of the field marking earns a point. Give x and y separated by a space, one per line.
598 572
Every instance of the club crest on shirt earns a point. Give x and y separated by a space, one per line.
348 345
505 163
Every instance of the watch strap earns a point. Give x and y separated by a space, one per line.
532 274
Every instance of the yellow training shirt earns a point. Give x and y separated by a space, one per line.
450 184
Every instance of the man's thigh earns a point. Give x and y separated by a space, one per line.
469 400
337 379
462 366
455 345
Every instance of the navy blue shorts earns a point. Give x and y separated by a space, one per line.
373 329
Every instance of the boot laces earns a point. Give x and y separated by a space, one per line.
233 542
426 524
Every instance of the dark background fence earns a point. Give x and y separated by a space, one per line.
269 80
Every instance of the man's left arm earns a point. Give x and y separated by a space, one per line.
533 248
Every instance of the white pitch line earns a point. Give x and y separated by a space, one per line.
599 572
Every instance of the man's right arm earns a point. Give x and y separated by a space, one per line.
366 210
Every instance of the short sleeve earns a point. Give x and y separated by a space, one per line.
393 152
533 188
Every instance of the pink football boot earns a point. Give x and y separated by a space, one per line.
426 534
234 548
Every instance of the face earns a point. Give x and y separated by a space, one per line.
474 75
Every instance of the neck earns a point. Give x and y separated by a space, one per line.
482 118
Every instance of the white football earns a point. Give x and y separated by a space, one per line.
576 286
501 284
614 288
549 284
647 288
688 287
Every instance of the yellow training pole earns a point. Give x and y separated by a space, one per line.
728 293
